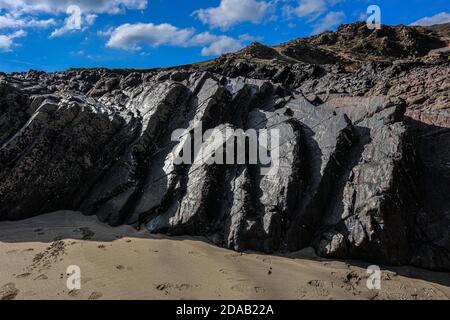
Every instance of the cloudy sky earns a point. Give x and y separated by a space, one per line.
58 34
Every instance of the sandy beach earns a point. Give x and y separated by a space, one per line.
122 263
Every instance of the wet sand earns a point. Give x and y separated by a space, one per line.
122 263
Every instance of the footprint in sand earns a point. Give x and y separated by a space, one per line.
259 290
314 289
73 293
432 293
243 288
233 274
301 292
23 275
387 276
52 254
225 271
264 259
351 282
41 277
8 291
95 295
320 287
169 288
233 256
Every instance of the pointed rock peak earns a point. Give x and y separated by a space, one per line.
259 51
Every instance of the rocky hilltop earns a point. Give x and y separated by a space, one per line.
364 122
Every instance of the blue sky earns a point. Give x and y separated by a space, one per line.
55 35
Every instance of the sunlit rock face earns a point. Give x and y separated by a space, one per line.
362 172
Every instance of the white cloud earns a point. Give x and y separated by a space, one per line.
232 12
9 21
6 41
90 18
215 45
80 13
132 36
75 21
60 6
330 20
221 45
129 36
316 12
310 9
106 32
439 18
249 38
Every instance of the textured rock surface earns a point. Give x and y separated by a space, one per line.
363 154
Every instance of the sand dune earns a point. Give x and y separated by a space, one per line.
122 263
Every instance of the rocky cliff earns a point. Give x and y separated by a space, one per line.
364 122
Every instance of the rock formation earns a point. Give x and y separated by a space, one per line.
364 133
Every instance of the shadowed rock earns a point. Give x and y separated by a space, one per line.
354 178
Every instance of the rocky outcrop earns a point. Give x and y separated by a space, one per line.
431 132
362 163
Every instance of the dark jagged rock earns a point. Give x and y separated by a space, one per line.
363 166
375 215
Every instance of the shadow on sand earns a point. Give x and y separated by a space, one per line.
67 225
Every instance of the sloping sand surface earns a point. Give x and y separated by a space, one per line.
122 263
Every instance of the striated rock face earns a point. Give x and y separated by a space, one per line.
363 164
